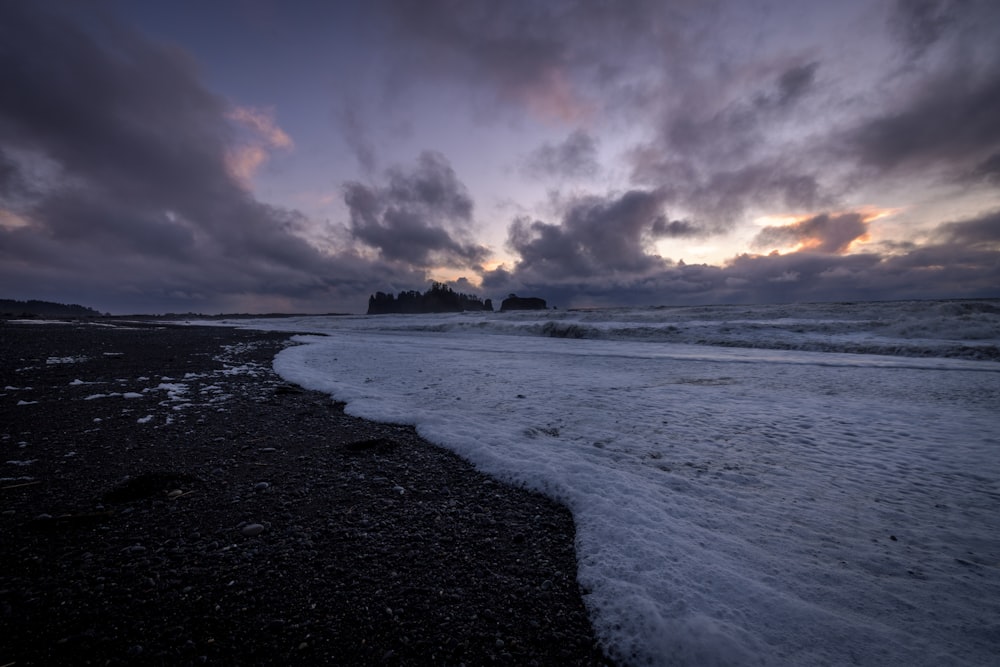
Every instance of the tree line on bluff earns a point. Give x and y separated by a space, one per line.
440 298
35 308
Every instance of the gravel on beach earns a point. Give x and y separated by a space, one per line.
166 499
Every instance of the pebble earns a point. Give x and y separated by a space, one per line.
252 529
260 486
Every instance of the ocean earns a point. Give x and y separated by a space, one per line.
773 485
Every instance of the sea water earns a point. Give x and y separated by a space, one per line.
774 485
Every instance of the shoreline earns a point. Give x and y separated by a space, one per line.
172 501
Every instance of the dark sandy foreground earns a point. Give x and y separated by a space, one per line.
127 536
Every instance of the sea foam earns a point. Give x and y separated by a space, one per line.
745 500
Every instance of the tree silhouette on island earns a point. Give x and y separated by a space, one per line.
35 308
440 298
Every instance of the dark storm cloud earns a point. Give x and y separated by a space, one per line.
821 233
596 235
952 121
119 185
988 169
796 82
981 232
642 61
432 187
723 148
717 162
921 23
663 228
505 44
421 217
106 115
12 182
719 196
547 57
731 136
964 261
938 120
576 157
355 133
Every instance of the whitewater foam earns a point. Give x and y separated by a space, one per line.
733 505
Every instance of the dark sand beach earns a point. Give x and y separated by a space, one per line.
166 499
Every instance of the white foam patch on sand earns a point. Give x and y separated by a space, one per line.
65 360
176 391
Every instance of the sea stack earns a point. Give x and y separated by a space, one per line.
515 302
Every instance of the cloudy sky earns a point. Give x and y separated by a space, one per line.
263 155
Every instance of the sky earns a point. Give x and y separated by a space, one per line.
268 156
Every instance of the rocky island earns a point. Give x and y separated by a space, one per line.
515 302
440 298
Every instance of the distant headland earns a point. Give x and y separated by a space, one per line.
33 308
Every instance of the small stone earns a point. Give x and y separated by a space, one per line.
174 493
546 585
252 529
260 486
268 450
500 643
